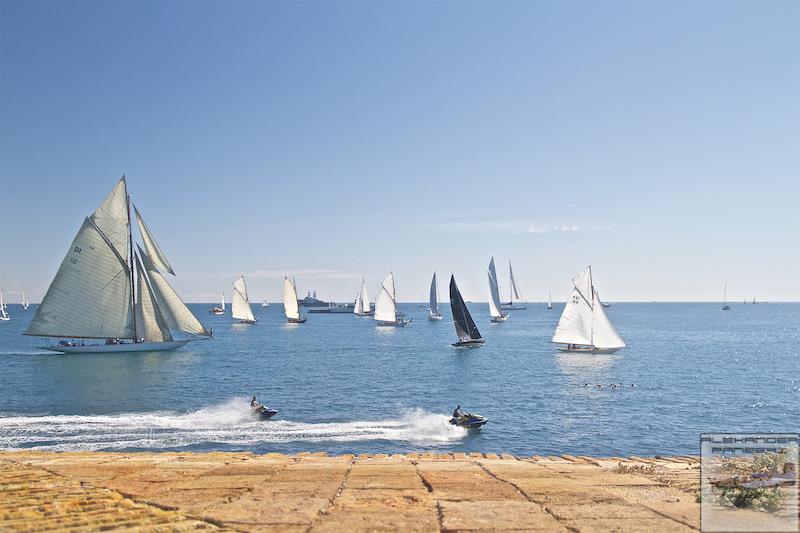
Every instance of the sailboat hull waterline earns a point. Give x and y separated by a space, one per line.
120 348
301 320
431 316
470 343
585 349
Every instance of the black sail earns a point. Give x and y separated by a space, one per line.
465 327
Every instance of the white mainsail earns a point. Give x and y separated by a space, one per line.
358 307
150 323
290 307
240 304
177 316
151 246
385 310
3 314
575 324
494 292
604 334
515 293
222 300
434 297
90 296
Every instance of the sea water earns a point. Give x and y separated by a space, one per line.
342 385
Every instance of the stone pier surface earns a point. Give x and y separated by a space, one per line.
96 491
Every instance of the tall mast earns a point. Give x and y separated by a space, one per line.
130 258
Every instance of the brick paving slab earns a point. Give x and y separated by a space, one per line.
154 492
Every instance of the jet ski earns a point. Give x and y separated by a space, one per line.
469 421
264 412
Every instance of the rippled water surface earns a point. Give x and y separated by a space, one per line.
343 385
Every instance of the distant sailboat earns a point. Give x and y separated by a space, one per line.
106 290
725 306
549 300
604 304
25 302
433 310
3 313
265 304
362 306
495 313
221 309
290 306
466 330
584 325
240 304
386 305
515 293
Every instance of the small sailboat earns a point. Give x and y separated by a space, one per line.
265 304
604 304
3 312
240 304
725 306
104 289
584 325
495 313
221 309
25 302
466 330
520 304
362 306
386 306
549 300
290 305
433 310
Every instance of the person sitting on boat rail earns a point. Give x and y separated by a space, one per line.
457 413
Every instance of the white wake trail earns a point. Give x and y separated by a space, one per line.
229 424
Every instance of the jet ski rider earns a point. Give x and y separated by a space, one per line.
457 413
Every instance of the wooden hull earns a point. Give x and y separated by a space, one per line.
120 348
586 349
400 323
300 320
248 321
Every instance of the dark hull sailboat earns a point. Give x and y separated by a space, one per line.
466 330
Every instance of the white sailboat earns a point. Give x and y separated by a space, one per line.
25 302
265 304
433 310
386 305
549 300
725 306
584 325
516 294
3 312
221 309
362 306
495 314
106 290
290 305
240 304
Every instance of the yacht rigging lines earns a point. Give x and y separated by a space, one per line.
104 289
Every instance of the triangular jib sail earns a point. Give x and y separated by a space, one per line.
177 316
150 323
494 293
151 246
240 304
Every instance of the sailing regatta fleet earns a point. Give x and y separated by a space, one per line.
110 288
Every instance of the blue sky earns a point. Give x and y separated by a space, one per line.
657 141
